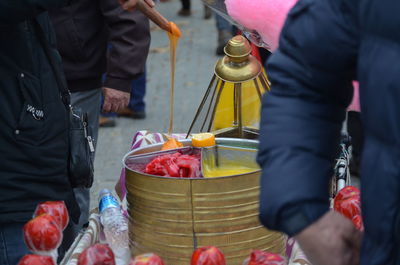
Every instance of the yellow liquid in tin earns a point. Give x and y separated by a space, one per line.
227 170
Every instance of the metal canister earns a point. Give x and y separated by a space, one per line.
171 217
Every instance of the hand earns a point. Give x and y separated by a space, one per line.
130 4
114 100
332 240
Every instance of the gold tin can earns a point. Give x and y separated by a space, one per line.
172 217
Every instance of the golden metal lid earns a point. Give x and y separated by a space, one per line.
238 65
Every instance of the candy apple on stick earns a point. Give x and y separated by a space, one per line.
43 235
258 257
348 203
98 254
57 209
36 260
208 256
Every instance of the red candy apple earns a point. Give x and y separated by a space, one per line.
57 209
258 257
147 259
357 221
208 256
36 260
98 254
348 203
42 233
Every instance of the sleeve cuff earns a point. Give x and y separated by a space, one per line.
119 83
294 219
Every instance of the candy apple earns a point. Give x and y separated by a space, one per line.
348 203
358 223
98 254
258 257
208 256
42 233
57 209
36 260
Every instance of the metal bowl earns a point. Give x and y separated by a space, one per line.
172 217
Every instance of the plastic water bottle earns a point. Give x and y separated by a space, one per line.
115 226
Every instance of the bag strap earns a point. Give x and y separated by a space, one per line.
55 65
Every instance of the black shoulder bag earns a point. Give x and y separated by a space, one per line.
81 147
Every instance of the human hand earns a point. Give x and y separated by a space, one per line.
331 240
114 100
130 4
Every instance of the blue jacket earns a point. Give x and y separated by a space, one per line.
324 45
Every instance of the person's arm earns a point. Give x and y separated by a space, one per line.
130 4
129 39
302 116
129 46
12 11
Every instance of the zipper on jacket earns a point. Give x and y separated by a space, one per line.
87 136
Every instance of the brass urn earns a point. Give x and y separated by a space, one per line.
231 104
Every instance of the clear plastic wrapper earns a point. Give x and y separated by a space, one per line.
147 259
258 257
43 235
208 256
98 254
32 259
57 209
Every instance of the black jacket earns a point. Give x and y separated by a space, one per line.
33 148
84 30
325 44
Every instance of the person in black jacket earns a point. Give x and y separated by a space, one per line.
33 120
324 45
96 37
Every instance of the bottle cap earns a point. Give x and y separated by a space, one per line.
104 192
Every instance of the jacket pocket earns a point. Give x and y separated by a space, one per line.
30 125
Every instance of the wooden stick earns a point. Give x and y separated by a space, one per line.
153 15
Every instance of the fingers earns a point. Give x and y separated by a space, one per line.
352 241
355 238
110 106
331 236
150 3
128 4
114 100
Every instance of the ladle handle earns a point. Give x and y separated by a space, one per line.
153 15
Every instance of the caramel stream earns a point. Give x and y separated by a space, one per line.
173 36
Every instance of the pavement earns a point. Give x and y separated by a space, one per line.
195 66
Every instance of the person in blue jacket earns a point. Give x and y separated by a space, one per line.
324 45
